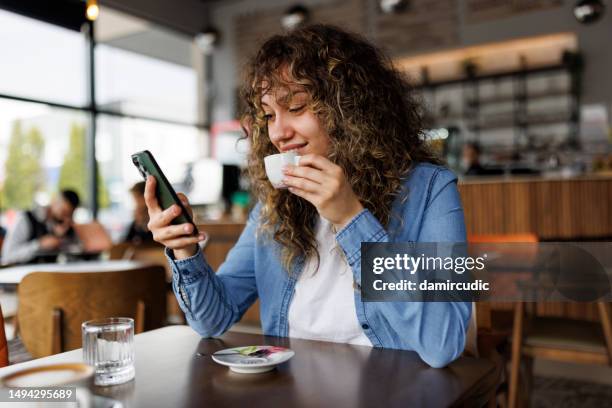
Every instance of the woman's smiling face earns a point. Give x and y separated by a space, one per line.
291 124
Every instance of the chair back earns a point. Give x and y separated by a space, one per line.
4 361
120 251
52 305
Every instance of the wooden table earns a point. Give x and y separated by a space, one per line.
169 373
12 275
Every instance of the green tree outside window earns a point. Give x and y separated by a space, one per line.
73 173
24 173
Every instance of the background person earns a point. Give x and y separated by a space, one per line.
470 159
41 230
138 232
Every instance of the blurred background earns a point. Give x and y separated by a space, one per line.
516 97
524 83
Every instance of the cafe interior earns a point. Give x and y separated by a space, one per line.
515 98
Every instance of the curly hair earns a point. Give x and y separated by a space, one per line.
367 108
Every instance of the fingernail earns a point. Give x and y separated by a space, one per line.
177 210
202 236
187 228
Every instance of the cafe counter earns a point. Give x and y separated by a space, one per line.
551 207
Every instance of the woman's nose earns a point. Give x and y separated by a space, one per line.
280 129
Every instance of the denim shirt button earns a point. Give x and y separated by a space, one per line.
365 326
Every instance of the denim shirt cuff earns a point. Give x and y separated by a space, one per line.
364 227
189 269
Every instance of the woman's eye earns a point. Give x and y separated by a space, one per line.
268 116
296 108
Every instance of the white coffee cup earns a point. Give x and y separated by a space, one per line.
274 166
78 375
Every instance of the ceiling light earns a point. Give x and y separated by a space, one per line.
92 10
294 17
393 6
588 11
207 39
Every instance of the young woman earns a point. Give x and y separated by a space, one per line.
364 175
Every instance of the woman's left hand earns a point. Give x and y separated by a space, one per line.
324 184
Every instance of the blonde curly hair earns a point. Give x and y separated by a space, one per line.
367 108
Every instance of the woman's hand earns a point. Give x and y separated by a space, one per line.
324 184
176 237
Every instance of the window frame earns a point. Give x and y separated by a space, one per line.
91 109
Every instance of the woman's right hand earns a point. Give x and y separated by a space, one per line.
176 237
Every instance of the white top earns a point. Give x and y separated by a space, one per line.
323 306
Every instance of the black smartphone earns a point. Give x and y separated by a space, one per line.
166 196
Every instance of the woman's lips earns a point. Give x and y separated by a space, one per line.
295 146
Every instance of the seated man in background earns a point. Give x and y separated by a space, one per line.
41 230
138 232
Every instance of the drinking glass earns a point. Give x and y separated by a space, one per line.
108 346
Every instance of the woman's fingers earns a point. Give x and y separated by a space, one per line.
185 202
311 197
302 183
183 198
171 236
149 196
173 231
180 243
305 172
164 218
318 162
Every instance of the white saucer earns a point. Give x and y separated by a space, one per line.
238 359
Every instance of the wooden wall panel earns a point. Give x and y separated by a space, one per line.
518 208
551 209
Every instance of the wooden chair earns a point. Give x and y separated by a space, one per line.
52 305
120 251
154 254
485 308
494 318
554 338
4 360
559 339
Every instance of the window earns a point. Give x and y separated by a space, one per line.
135 84
42 150
147 89
42 61
143 69
146 98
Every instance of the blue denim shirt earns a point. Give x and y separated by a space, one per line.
432 212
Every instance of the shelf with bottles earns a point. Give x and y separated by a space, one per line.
517 100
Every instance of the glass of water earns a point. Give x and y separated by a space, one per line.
108 346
